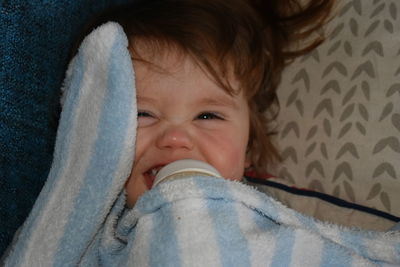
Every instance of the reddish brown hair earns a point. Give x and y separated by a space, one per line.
253 38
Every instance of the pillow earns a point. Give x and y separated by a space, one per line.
339 124
324 207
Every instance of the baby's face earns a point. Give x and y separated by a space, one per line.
183 114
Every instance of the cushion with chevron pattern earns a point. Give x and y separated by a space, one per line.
339 124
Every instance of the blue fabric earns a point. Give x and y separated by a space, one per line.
396 227
80 218
93 154
36 38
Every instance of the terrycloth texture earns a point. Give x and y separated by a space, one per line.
202 221
93 153
36 37
80 217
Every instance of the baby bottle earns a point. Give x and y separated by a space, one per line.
183 168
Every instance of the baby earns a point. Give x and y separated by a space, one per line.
184 114
206 79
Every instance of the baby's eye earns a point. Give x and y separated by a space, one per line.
145 118
209 116
143 114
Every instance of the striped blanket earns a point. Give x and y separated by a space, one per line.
80 218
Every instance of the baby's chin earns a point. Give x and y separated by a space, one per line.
135 188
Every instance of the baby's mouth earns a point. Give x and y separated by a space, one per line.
150 175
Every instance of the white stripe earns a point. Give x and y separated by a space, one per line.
195 230
257 238
62 196
307 249
140 251
329 231
383 247
289 218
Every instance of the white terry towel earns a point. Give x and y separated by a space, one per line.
80 219
93 154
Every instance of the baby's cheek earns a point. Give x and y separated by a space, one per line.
227 153
234 164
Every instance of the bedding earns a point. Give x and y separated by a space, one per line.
80 216
339 123
322 206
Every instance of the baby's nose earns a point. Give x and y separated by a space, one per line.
175 138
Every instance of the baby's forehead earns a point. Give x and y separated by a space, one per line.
153 51
166 62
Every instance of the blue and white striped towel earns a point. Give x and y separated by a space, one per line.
80 218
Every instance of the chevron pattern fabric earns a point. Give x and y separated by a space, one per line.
339 125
